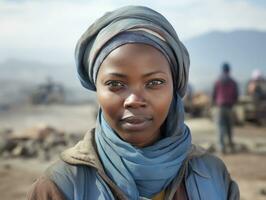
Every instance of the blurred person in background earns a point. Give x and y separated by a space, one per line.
188 99
140 147
256 87
225 96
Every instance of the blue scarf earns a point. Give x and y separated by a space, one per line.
149 170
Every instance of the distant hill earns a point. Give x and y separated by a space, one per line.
243 49
20 78
36 72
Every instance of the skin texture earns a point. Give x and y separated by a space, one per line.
135 90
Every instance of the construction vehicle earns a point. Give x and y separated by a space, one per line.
48 92
252 106
197 105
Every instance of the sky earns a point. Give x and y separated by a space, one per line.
47 31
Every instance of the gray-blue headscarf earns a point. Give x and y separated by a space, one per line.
138 171
137 19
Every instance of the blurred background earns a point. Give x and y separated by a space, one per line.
44 109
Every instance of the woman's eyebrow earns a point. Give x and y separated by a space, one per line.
120 75
152 73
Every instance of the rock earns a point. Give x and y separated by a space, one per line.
38 132
43 142
44 155
242 148
7 145
7 166
19 150
54 140
263 191
72 138
210 147
31 147
2 146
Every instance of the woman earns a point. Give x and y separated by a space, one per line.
140 148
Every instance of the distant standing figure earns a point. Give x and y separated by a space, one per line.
256 86
225 95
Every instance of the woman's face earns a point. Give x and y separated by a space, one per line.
135 90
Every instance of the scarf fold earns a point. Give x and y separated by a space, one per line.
144 171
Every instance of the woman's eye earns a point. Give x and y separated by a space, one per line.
154 83
114 84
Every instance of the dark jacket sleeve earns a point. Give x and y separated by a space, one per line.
44 189
214 94
236 93
233 190
231 185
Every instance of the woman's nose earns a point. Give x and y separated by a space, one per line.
135 101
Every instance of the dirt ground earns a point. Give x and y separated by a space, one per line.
17 175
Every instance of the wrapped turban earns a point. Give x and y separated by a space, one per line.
130 24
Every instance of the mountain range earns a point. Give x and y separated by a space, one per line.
245 50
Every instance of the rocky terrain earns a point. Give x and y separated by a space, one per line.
31 138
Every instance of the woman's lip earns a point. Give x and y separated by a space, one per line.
135 119
134 123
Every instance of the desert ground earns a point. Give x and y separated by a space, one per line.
247 166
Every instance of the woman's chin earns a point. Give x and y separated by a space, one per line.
139 140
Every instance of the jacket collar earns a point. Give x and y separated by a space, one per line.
85 153
200 170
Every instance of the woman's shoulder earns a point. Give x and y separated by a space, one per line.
65 169
200 155
67 175
210 161
62 179
209 168
200 158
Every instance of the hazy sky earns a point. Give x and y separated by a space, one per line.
48 30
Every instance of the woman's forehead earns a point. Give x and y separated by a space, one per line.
135 58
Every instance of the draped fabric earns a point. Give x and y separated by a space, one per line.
137 19
149 170
130 37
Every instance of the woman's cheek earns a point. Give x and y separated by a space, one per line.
110 103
